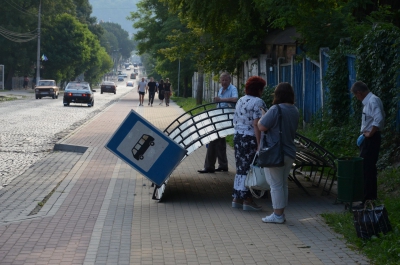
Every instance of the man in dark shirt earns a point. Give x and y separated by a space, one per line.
152 87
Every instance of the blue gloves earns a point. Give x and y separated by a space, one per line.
360 139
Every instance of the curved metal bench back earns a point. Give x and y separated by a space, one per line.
201 125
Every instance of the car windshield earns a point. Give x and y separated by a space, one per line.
46 83
78 86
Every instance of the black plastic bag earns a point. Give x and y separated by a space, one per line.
370 222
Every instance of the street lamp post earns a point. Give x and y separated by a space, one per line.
38 47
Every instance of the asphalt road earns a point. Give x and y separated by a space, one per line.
30 127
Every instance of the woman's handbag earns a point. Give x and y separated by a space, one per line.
256 180
272 156
371 222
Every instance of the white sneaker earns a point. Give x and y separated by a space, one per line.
273 218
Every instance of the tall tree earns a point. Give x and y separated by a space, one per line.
155 26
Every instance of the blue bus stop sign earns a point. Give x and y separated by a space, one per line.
145 148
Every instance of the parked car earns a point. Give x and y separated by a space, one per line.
78 92
123 74
47 88
109 87
120 78
129 83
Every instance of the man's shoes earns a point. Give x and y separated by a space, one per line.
205 171
221 169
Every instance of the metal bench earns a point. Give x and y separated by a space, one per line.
314 163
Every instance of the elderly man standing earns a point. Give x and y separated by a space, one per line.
372 122
217 148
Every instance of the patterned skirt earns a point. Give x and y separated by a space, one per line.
245 150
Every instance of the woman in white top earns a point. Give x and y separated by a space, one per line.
247 140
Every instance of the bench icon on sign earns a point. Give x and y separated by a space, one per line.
141 146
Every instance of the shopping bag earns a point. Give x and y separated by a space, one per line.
371 221
256 180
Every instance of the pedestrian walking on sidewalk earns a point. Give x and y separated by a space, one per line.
372 123
247 140
277 177
142 90
161 92
152 87
167 91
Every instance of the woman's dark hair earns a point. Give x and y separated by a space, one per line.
254 85
284 93
161 81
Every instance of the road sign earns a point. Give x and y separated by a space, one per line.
145 148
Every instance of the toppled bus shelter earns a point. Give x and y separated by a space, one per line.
156 154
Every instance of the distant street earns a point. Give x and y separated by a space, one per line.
30 127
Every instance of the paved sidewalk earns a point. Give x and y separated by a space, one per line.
101 211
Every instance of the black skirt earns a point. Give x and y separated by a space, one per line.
161 94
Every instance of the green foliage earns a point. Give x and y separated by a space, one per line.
20 58
336 78
222 34
118 39
338 139
155 27
384 249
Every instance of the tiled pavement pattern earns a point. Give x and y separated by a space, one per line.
102 211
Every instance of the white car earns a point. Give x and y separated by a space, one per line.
129 83
128 68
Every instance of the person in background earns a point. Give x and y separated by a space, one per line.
26 80
217 148
34 82
167 91
142 90
152 88
277 177
161 92
372 123
247 140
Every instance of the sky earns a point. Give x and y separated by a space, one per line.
115 11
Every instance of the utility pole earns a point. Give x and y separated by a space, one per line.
38 47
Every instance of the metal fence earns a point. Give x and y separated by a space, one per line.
306 77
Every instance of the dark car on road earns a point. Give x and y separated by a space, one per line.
108 87
78 92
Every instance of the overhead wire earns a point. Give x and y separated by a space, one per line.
16 36
19 8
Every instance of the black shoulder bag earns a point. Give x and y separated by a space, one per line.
272 156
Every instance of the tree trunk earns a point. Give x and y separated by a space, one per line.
199 93
185 86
